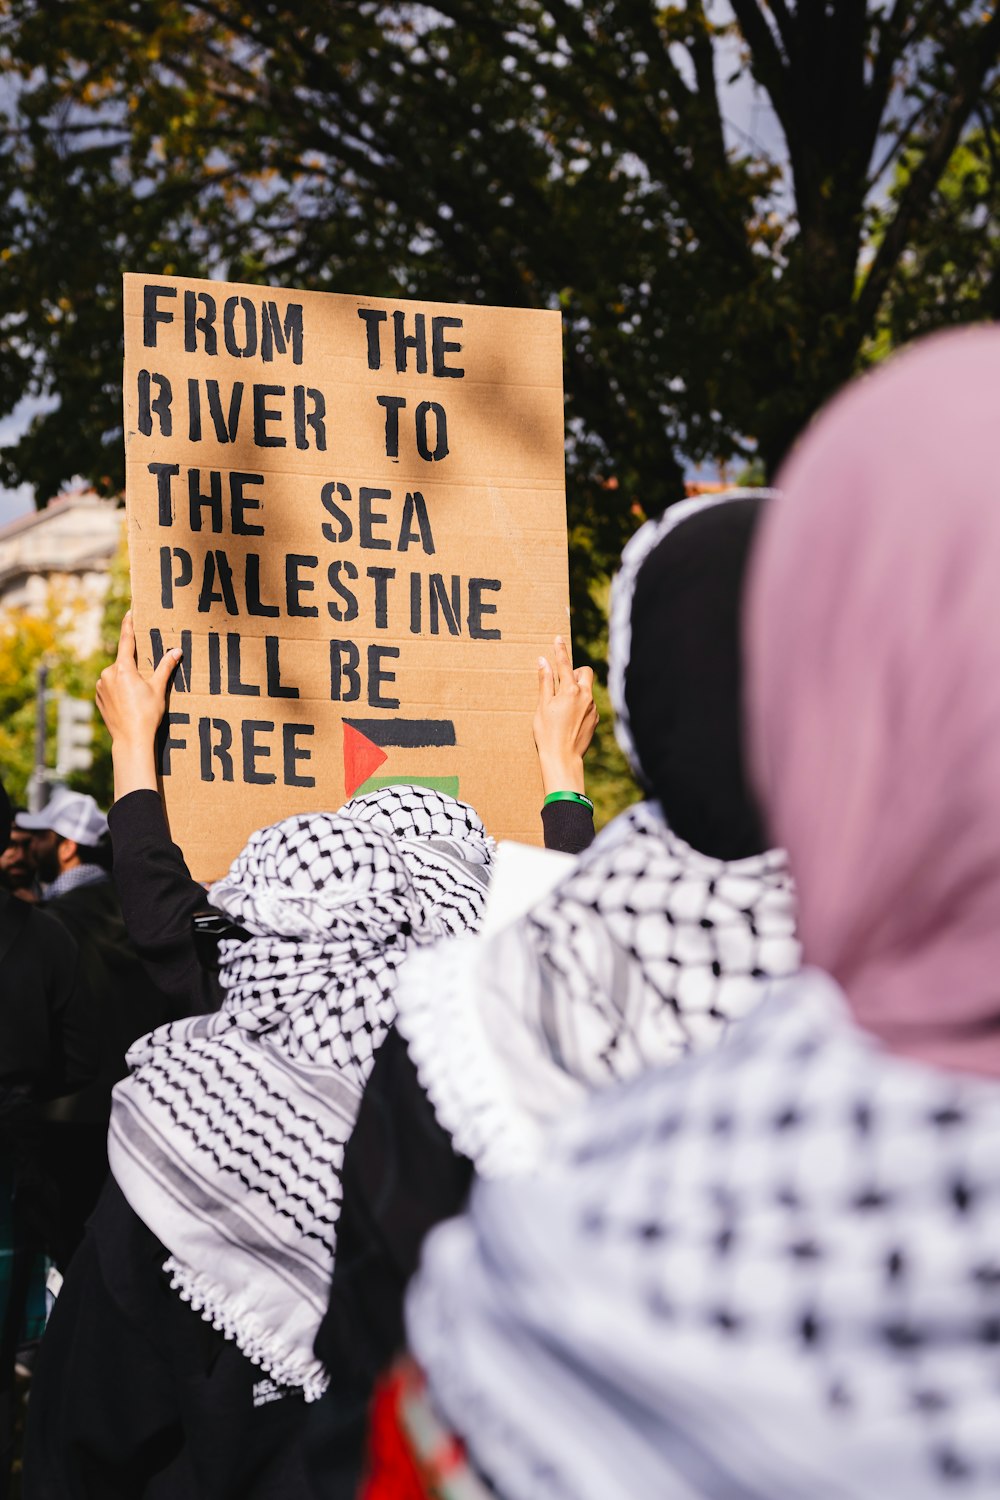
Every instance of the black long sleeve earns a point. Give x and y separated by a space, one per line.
75 1023
158 899
568 827
49 1020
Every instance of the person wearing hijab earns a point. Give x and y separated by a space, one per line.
401 1174
658 937
773 1271
648 948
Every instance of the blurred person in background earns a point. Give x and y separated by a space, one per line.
48 1047
68 846
16 872
70 852
775 1271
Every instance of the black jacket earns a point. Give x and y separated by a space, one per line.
50 1035
125 1002
158 899
48 1018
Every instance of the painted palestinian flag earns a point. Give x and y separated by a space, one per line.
367 743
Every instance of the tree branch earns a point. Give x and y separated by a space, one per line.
971 72
770 66
891 44
899 139
703 57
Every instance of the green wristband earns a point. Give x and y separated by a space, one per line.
568 797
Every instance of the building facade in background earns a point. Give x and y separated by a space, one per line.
60 558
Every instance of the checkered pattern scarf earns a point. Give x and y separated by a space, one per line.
646 951
72 880
769 1273
228 1137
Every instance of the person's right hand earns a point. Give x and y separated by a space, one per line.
132 707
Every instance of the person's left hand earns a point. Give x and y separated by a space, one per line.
565 720
131 706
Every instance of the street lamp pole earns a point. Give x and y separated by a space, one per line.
38 784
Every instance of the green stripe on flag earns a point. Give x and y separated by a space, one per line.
446 784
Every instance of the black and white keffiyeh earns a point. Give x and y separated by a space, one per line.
770 1273
644 952
414 813
440 834
228 1137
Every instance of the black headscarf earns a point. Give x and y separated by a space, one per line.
682 677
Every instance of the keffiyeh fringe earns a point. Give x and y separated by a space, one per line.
459 1069
217 1306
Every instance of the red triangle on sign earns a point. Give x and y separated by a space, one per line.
361 759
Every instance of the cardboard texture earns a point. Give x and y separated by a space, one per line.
350 514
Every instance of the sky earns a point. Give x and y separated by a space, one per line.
17 502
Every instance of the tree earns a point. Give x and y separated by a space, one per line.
547 154
952 273
26 640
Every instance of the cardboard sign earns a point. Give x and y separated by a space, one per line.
350 514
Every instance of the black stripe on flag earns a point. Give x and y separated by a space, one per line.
411 734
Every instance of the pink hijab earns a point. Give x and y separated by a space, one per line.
873 693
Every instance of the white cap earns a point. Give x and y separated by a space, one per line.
73 815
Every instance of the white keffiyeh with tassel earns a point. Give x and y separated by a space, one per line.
770 1273
228 1137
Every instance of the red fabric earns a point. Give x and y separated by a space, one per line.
392 1470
